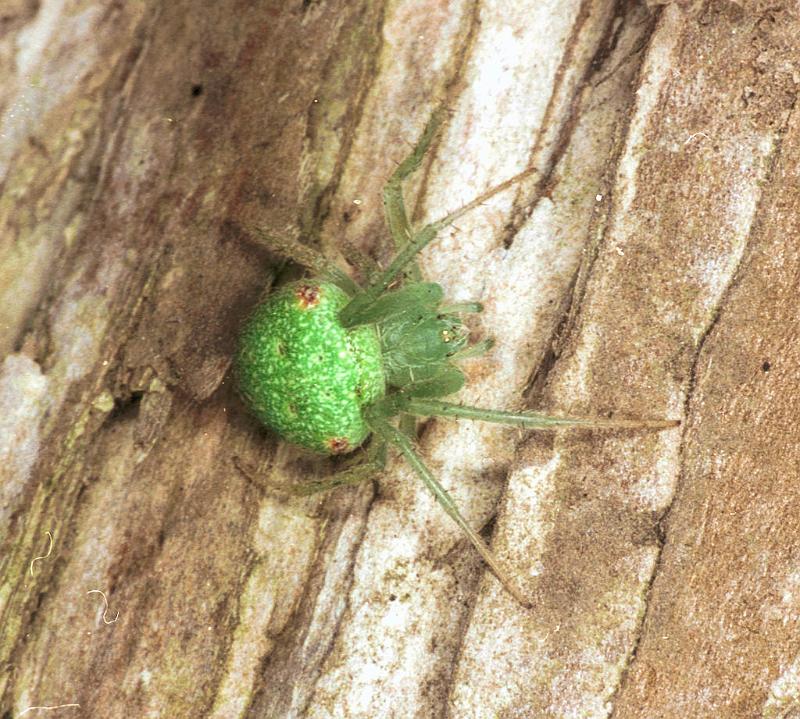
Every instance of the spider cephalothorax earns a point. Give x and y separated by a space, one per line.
327 363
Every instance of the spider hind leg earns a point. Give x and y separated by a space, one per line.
359 471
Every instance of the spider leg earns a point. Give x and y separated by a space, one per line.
408 243
367 297
393 202
391 434
419 240
411 243
476 350
451 217
360 260
529 420
307 256
461 307
408 426
372 464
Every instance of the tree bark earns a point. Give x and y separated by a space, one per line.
650 268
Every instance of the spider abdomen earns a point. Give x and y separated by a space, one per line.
306 376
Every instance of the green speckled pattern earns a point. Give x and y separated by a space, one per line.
303 374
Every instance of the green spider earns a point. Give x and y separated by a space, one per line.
326 363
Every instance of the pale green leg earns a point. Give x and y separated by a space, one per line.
408 243
366 298
391 434
476 350
372 464
528 420
360 260
460 308
306 256
393 202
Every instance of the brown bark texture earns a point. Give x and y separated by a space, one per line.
154 561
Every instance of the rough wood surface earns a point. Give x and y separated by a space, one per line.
651 269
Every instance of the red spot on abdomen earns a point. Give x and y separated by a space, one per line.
338 445
308 295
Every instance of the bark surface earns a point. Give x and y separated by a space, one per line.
153 560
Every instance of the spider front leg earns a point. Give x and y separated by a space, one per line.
411 243
393 202
362 470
